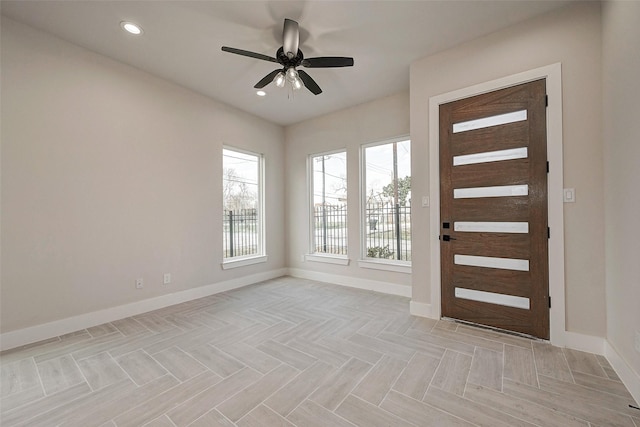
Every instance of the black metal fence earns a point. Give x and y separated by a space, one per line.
330 229
240 235
387 230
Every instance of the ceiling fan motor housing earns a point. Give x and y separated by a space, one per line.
289 62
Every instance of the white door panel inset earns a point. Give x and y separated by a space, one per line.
492 298
491 156
500 191
491 227
500 119
492 262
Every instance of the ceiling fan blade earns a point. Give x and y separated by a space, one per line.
327 62
290 38
309 82
267 79
249 54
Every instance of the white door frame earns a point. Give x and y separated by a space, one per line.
553 75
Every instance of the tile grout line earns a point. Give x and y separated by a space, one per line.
382 409
81 372
186 353
466 383
564 355
504 362
434 375
354 387
506 413
44 390
535 365
249 385
292 379
398 377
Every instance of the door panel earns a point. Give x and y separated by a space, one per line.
500 245
510 282
495 209
512 172
493 192
491 139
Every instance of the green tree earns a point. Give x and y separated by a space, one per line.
404 187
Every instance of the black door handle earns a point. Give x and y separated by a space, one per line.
446 237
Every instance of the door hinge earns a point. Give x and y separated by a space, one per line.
547 167
549 302
548 232
546 100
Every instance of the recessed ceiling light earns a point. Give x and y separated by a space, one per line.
130 27
261 93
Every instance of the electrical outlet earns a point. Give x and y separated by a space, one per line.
139 283
638 341
167 278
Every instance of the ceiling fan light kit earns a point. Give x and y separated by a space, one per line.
294 79
291 57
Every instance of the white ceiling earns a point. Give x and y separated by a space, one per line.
182 41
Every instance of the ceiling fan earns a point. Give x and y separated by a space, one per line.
290 57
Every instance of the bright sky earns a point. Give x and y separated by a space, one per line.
379 170
379 161
244 165
335 178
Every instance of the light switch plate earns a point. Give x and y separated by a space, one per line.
569 195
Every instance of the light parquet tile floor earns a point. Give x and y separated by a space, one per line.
292 352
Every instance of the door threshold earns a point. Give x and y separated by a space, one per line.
493 328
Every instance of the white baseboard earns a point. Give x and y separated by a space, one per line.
353 282
421 309
56 328
629 377
588 343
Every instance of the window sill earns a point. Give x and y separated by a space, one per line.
395 266
328 259
242 262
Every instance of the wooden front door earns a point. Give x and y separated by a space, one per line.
493 192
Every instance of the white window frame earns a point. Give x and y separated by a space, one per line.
394 265
312 255
261 256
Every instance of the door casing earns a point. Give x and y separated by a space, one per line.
553 75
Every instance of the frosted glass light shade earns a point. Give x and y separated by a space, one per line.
292 74
279 79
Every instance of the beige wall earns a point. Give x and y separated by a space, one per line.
571 36
109 174
621 136
347 129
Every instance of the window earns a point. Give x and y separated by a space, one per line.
243 213
387 200
329 203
